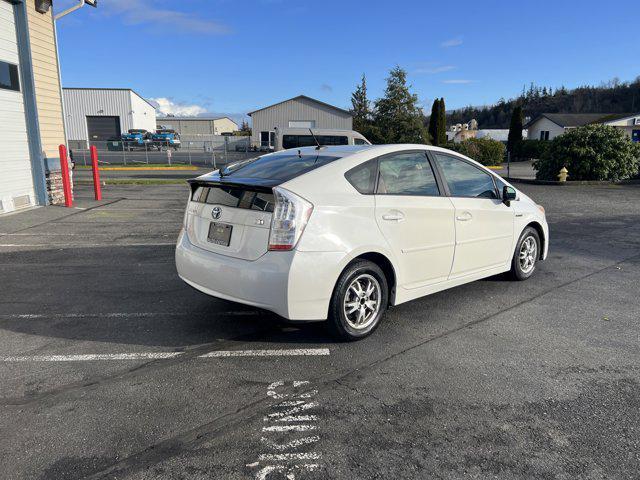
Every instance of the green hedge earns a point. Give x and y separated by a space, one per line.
484 150
529 150
592 152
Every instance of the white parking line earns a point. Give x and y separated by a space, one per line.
296 352
92 357
290 456
117 314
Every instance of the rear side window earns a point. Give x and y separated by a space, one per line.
359 141
407 173
234 197
279 167
363 177
464 179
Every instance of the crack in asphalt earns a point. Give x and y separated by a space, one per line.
175 445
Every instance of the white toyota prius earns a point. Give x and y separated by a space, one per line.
342 233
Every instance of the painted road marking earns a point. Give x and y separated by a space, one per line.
117 314
286 452
92 357
86 245
296 352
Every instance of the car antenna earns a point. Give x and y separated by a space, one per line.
318 146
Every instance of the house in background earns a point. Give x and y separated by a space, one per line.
297 112
198 125
30 106
464 131
99 114
548 126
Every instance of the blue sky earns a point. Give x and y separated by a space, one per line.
225 56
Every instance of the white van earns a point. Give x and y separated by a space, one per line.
286 138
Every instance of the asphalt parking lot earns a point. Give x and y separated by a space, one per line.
111 367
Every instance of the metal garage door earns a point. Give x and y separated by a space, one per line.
16 180
101 129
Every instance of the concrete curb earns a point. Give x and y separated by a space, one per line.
531 181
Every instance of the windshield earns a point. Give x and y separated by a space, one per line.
280 167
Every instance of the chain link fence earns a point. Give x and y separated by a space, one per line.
199 150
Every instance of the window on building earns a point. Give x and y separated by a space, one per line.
544 134
464 179
302 124
9 79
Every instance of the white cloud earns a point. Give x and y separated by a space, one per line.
435 69
147 12
166 106
458 81
453 42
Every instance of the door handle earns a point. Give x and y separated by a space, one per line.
393 216
464 217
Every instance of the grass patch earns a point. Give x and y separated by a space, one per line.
136 181
137 166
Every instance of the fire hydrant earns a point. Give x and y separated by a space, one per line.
564 173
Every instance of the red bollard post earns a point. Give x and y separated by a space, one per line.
96 173
66 182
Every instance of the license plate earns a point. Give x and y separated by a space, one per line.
220 233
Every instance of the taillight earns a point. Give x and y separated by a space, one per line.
290 215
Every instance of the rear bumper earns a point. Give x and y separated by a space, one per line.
295 285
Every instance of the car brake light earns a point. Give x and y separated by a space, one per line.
290 216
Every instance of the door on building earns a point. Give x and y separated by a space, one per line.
267 139
16 177
103 128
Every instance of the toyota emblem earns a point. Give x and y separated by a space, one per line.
216 212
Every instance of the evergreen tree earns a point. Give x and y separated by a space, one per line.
361 107
442 123
433 122
515 130
397 114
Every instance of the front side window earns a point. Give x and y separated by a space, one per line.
406 173
9 79
464 179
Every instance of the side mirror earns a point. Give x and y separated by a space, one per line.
508 194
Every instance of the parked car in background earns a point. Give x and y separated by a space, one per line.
166 138
286 138
340 233
136 138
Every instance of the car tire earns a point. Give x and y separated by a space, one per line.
526 255
359 300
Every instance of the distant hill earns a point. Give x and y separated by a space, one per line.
612 97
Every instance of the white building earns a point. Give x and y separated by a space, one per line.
297 112
548 126
198 125
99 114
30 106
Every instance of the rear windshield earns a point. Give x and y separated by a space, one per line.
279 167
234 197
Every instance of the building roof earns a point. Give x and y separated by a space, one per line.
578 119
209 119
111 89
306 98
